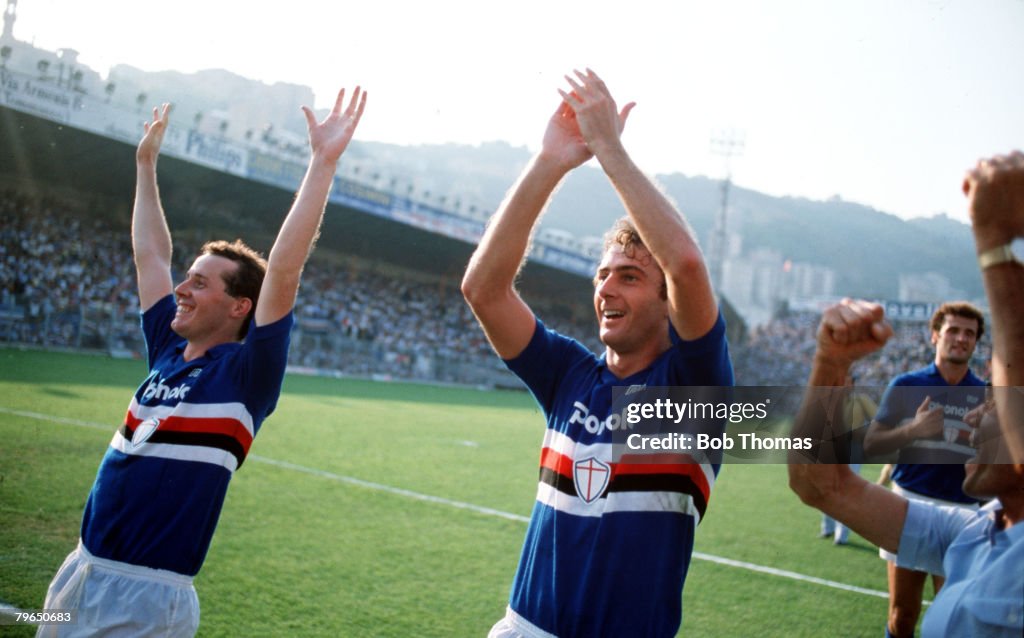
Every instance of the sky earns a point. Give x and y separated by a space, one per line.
885 103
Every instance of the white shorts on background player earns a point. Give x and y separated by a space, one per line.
515 626
914 496
117 599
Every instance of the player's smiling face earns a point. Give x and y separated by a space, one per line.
205 308
629 299
955 340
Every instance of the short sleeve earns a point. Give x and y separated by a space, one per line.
928 531
542 365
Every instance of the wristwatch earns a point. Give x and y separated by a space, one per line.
1013 251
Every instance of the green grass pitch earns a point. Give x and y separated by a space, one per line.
305 549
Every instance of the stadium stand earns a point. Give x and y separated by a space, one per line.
66 281
780 352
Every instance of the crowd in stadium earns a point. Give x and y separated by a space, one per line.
66 280
54 263
780 353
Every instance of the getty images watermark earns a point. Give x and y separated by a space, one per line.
754 424
712 424
664 411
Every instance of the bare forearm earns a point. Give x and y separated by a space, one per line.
151 239
671 241
820 417
995 194
824 481
662 227
328 140
496 261
872 511
1004 285
816 475
302 224
294 243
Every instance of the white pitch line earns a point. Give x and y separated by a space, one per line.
479 509
793 575
9 610
56 419
525 519
391 490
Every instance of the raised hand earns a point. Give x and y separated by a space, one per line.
995 196
563 141
153 134
329 139
600 122
928 422
850 330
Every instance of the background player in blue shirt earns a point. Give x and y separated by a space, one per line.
606 551
158 493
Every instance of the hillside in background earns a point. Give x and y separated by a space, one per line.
216 100
868 248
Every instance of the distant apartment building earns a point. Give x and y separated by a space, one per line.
758 282
928 287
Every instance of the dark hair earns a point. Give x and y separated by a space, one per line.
247 278
958 309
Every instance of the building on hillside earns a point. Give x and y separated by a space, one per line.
927 287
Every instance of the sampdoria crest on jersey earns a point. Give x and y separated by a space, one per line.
591 477
144 431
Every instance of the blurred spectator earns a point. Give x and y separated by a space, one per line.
779 353
66 281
